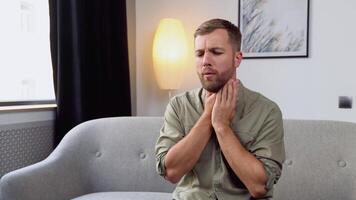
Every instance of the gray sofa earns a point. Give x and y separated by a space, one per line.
113 158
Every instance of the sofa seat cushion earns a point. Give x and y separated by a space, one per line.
126 196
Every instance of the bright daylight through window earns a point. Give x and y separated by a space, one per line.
25 60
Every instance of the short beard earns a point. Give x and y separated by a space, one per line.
214 86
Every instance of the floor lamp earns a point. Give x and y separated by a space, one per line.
169 54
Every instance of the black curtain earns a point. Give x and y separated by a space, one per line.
90 61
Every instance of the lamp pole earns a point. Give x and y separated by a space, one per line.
170 94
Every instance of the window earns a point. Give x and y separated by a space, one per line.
25 61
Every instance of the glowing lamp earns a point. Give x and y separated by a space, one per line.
169 53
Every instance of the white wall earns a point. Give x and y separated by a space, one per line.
304 88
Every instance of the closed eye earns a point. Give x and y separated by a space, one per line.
217 51
199 53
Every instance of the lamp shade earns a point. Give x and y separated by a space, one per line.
169 53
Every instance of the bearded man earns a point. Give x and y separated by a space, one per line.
221 141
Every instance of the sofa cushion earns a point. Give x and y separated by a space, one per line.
126 196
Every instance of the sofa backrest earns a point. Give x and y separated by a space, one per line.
115 154
320 161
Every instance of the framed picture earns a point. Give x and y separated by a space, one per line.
274 28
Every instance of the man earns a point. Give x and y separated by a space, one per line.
222 141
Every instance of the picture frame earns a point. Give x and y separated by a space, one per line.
274 28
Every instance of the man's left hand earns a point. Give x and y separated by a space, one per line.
225 105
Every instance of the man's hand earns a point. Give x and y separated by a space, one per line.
224 108
183 156
209 103
245 165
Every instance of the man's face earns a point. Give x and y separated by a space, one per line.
216 61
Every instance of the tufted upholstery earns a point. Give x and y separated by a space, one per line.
320 161
110 154
113 158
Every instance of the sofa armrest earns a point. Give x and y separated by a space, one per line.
54 178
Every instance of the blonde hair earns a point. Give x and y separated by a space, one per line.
213 24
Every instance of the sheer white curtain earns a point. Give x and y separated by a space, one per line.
25 61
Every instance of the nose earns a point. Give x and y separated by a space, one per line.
206 59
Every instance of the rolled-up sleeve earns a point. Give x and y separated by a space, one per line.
269 146
171 133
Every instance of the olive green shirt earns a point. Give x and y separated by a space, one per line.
258 126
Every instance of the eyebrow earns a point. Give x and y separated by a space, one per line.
211 49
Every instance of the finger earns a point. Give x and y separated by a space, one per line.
230 91
226 91
212 97
218 96
208 94
236 90
210 100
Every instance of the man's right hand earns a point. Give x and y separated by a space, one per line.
183 156
209 103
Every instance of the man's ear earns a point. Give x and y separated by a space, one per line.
238 58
